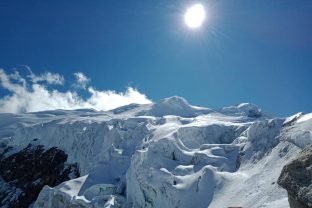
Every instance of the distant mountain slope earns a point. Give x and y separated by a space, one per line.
166 154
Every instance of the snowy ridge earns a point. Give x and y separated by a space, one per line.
167 154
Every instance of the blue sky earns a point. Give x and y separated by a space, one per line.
247 51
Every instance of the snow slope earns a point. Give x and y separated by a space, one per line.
167 154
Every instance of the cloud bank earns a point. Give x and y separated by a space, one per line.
37 93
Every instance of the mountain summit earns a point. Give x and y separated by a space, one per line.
177 106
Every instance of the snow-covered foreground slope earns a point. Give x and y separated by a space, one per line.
168 154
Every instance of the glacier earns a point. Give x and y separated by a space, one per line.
164 154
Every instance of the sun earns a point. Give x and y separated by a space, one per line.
195 16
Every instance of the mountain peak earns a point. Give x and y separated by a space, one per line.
176 106
175 100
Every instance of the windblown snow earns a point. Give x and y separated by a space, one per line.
166 154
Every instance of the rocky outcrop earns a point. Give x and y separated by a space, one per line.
296 178
24 173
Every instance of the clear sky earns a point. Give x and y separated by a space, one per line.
247 51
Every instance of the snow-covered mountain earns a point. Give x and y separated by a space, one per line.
166 154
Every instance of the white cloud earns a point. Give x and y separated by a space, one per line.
33 95
81 80
112 98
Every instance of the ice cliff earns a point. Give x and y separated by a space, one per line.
166 154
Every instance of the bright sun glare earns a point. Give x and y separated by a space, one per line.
195 16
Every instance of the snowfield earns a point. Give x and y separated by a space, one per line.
166 154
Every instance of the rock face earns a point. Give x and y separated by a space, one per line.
23 173
296 178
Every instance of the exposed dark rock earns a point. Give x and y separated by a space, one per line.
296 178
24 173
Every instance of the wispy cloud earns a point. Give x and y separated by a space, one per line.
47 77
36 93
81 80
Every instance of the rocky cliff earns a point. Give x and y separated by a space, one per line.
25 171
296 178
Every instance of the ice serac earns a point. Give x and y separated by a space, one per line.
165 154
296 178
243 109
